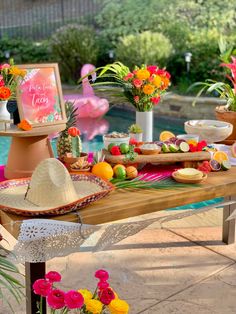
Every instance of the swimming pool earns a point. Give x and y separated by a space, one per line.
92 130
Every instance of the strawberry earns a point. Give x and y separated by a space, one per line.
133 141
137 150
115 150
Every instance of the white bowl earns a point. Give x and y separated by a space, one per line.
115 140
209 130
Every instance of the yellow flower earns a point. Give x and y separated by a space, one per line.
93 306
148 89
118 306
16 71
86 294
157 81
142 74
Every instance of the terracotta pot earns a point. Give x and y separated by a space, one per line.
228 116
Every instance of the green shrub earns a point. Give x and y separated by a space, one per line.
73 46
24 51
144 48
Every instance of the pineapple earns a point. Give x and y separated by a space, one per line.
67 143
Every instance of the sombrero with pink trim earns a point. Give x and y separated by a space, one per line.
51 190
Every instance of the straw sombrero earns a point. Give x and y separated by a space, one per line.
51 191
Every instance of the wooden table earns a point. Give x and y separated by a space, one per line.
123 204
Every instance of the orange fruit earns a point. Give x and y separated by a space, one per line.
117 166
131 172
193 142
166 135
103 170
220 156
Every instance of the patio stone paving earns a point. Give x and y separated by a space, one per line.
184 268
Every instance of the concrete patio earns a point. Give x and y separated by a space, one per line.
182 268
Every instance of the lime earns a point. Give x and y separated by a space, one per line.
184 147
120 172
109 147
124 148
225 165
173 148
165 148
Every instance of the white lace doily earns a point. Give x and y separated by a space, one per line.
43 239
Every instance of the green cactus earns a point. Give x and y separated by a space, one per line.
76 146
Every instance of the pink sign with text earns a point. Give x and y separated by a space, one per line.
39 96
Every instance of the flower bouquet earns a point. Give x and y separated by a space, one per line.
103 300
10 76
143 86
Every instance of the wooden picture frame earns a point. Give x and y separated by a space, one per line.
39 95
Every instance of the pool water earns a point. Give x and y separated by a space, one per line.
119 120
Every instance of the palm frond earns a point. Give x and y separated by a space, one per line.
149 182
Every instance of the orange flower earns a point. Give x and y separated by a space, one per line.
143 74
24 125
157 81
148 89
5 93
165 82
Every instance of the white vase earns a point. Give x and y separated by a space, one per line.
145 120
4 114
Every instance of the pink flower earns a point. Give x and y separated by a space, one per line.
42 287
232 67
152 69
106 296
56 299
74 299
53 276
137 83
162 72
102 275
136 99
128 76
4 66
155 100
103 285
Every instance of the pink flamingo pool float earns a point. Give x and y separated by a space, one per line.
89 105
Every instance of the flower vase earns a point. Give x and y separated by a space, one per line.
145 120
4 115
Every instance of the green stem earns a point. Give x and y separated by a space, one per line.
41 305
95 293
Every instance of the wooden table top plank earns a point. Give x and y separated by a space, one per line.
128 203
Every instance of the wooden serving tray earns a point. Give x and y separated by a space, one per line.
158 158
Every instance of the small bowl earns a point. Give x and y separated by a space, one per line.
188 137
186 180
115 140
209 130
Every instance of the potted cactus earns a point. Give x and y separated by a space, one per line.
136 132
69 144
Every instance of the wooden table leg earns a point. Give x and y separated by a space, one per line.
228 232
33 271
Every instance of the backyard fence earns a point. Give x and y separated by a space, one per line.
37 19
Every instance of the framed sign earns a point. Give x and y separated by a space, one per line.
39 95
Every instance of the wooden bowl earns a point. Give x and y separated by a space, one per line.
150 151
186 180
